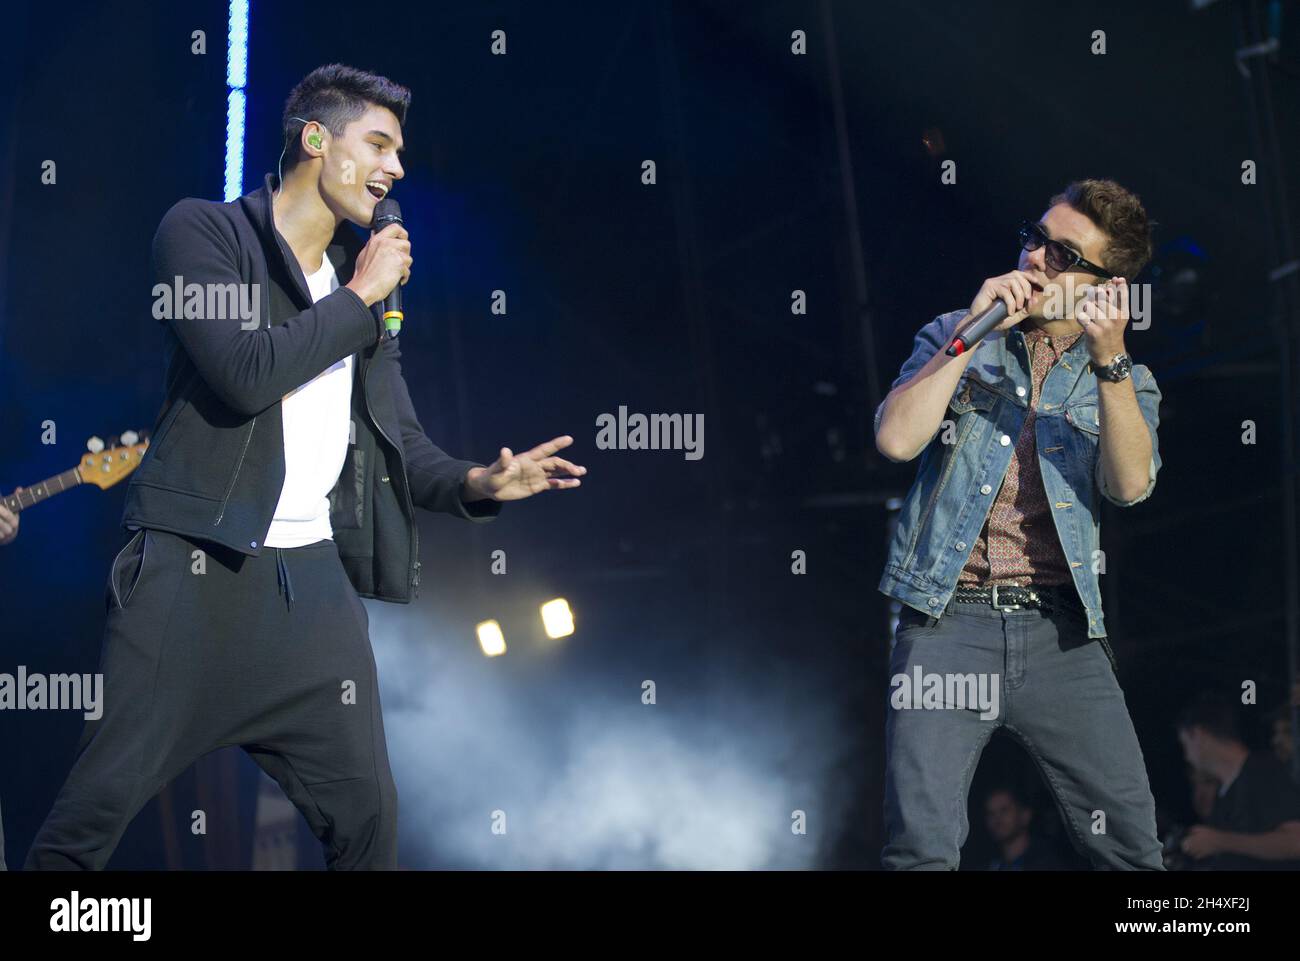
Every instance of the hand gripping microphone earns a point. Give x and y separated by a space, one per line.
979 328
388 212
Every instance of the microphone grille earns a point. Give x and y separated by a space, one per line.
387 211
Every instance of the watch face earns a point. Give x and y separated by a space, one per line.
1118 369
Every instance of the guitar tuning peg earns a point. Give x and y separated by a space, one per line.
94 445
130 437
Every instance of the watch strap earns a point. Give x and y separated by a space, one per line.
1116 370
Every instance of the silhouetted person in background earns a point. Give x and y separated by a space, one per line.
1007 818
1255 822
1205 788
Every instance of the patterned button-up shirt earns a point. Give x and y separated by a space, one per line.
1018 544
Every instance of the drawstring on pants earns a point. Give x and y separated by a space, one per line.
282 576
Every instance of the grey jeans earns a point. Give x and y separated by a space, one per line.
1055 691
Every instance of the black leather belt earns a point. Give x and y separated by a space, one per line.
1061 598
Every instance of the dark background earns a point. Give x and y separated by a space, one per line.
523 174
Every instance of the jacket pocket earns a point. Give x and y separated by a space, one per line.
1085 417
1084 435
910 619
972 394
348 498
182 400
128 565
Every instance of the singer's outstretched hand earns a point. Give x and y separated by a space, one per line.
512 477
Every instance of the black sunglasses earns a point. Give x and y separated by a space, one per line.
1059 257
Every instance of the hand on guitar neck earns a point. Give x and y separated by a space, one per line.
8 523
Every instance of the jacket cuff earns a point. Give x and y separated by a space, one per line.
376 323
1105 491
480 510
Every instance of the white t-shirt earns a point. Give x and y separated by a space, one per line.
317 421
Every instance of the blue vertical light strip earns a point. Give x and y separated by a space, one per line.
236 101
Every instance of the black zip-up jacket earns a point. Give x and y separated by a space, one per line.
215 465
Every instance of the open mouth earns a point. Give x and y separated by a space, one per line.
378 189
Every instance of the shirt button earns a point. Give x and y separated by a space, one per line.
933 602
1004 440
960 545
985 489
1020 392
253 545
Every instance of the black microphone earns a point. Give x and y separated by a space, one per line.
988 318
388 212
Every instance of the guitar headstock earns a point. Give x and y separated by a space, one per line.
109 464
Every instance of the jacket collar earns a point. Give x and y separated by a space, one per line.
342 250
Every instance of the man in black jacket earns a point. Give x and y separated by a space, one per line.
279 487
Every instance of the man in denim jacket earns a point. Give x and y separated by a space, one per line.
996 554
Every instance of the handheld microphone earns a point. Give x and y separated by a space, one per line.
987 319
388 212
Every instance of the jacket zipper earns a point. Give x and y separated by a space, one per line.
285 255
413 563
249 436
238 464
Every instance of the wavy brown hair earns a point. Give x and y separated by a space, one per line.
1119 214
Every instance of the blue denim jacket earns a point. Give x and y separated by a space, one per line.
957 480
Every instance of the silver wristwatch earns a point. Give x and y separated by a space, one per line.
1121 365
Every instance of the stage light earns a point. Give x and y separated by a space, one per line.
234 145
236 100
237 45
557 618
490 638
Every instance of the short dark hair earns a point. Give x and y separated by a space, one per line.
1019 796
335 95
1215 714
1120 216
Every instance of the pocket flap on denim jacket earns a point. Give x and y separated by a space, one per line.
972 394
1085 417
